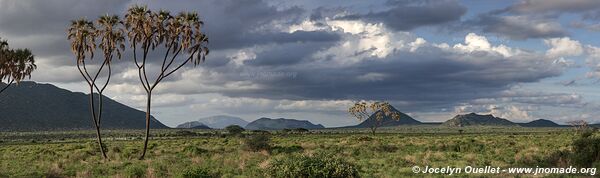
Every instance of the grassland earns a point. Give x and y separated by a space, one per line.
390 153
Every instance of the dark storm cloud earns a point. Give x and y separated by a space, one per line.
406 15
517 27
234 24
553 6
41 26
533 18
429 77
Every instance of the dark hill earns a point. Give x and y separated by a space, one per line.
540 123
30 106
388 121
193 125
217 122
281 123
473 119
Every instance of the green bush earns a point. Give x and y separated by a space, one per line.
194 150
586 151
234 129
318 166
135 170
196 172
257 143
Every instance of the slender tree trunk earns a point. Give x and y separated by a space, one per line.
93 110
149 99
7 85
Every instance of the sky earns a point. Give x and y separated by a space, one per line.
312 59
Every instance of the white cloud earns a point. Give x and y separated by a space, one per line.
474 42
242 55
593 61
563 47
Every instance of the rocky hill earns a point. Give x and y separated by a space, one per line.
540 123
388 121
473 119
281 123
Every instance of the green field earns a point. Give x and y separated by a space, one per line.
173 153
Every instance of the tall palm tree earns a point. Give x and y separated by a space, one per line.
177 34
112 38
15 65
82 35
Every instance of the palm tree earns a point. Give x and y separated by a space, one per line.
82 35
112 39
15 65
177 34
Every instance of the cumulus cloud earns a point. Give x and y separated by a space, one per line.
563 47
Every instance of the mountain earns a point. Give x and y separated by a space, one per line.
473 119
222 121
193 125
387 121
540 123
281 123
31 106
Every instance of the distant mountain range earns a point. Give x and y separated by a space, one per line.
31 106
473 119
281 123
216 122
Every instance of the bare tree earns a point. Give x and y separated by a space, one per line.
377 111
15 65
179 35
579 125
82 34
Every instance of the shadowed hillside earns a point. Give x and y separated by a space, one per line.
33 106
281 123
473 119
388 121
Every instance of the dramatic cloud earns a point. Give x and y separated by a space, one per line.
518 26
407 15
312 59
554 6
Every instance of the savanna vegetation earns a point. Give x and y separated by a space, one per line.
317 153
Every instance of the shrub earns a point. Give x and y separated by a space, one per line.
287 149
320 165
184 133
196 172
261 132
135 170
193 150
257 143
300 130
234 129
586 150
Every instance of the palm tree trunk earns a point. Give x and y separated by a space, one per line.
147 124
98 136
7 85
